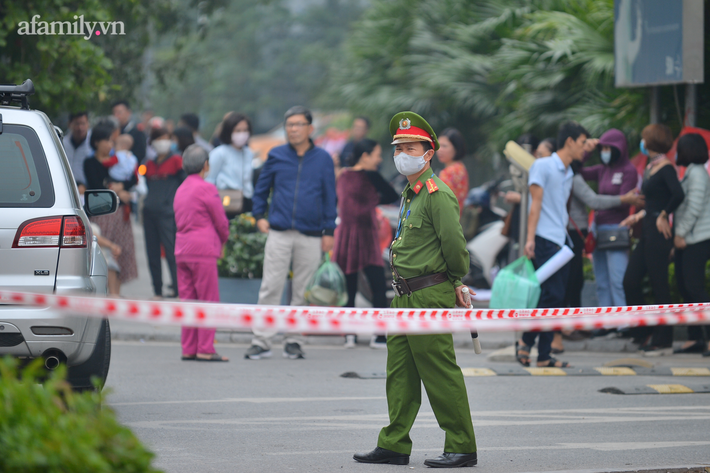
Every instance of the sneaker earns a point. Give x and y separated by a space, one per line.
255 352
657 351
293 351
378 341
350 341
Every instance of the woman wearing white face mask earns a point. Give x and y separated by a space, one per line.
163 176
231 167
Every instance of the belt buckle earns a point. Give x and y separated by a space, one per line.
400 288
397 291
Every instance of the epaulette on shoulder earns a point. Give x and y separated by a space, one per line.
431 186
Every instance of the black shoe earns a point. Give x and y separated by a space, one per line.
453 460
378 341
255 352
382 455
293 351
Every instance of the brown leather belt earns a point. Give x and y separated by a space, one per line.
406 287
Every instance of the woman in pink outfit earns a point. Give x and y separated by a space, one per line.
202 230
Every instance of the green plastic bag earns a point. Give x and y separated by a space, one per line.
516 286
327 287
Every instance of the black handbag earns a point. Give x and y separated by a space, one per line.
613 239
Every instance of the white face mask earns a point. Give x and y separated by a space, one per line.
408 165
606 156
240 138
161 146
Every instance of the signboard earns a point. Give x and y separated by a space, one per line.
658 42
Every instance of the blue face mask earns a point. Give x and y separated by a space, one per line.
642 146
606 156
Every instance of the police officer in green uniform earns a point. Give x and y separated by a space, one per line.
428 258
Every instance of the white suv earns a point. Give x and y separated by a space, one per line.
46 244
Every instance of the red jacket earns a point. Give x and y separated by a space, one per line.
163 180
202 226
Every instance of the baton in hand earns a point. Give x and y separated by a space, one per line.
474 333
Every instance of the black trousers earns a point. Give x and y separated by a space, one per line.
690 275
650 257
575 279
376 277
160 229
551 296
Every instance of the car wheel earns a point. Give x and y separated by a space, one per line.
96 366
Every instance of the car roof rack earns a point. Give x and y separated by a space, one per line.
17 93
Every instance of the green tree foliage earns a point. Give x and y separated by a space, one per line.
257 58
493 68
71 73
67 71
50 429
559 65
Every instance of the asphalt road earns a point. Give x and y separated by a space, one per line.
300 415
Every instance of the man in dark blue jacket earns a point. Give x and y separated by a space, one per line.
301 220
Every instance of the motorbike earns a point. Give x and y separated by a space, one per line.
482 222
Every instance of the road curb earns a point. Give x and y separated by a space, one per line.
595 371
503 349
659 389
671 469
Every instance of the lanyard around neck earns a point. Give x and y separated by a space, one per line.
401 212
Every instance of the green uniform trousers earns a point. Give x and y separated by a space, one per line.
412 359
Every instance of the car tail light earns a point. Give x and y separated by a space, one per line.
39 232
48 232
74 233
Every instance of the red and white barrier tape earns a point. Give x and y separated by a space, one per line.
357 320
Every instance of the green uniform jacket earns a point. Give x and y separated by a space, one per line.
430 240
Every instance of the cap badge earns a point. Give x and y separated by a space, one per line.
405 124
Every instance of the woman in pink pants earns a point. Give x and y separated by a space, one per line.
202 229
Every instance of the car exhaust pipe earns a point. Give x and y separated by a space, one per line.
51 362
53 358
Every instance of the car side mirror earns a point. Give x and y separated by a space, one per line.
100 202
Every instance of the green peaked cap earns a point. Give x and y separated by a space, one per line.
409 126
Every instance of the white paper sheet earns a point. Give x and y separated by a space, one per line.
554 264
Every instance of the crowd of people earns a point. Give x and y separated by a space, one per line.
300 190
666 216
177 176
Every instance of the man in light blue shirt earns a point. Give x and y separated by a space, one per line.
554 178
550 184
